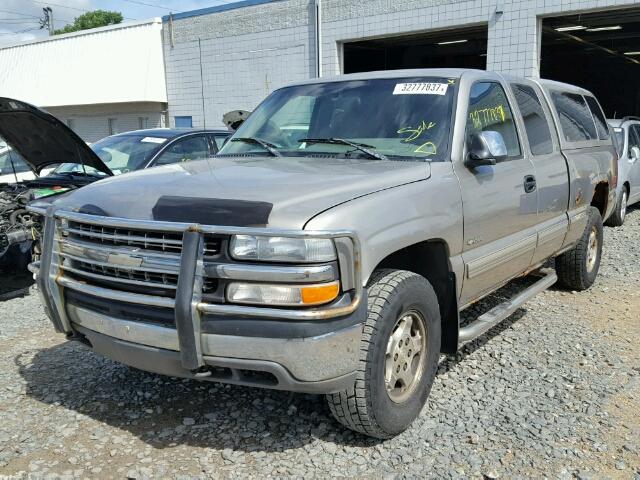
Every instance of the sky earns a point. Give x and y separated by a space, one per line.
19 19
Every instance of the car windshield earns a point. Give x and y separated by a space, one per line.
398 118
619 134
11 162
121 153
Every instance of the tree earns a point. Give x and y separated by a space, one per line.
95 19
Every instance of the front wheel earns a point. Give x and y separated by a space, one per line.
577 268
399 355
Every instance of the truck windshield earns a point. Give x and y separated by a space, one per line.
397 118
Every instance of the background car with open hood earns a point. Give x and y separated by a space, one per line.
41 141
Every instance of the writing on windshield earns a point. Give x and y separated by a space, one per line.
397 118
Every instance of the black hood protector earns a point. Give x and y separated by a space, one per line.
41 139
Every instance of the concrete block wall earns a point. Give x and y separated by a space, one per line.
247 52
513 35
233 59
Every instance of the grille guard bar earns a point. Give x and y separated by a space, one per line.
188 304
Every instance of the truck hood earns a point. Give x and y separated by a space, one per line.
41 139
282 192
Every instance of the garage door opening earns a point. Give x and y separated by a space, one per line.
597 51
460 48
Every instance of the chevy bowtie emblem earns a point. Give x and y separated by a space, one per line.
123 260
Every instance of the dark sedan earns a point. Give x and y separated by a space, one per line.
140 149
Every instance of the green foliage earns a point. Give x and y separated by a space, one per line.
95 19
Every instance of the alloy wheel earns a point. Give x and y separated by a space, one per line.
406 350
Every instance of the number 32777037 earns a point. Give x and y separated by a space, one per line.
420 89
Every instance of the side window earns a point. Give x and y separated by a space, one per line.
190 148
489 111
598 116
575 118
535 121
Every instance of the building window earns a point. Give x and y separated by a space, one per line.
71 123
184 122
112 126
143 122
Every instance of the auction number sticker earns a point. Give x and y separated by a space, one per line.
420 89
153 140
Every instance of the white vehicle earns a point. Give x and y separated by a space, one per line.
13 169
627 133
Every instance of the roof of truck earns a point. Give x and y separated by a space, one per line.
417 72
552 84
440 72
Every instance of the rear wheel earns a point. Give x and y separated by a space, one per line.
578 268
399 355
617 217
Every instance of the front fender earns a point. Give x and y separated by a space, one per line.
392 219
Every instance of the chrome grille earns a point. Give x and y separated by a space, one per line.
147 240
129 260
156 241
163 280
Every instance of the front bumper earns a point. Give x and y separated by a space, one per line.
321 364
310 350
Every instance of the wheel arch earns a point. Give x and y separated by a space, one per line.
600 198
431 259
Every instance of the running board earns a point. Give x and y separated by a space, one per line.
497 314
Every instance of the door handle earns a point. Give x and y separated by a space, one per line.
530 184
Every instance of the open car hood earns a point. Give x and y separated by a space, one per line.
41 139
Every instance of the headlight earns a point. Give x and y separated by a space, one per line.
282 295
282 249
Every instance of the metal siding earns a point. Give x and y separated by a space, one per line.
108 65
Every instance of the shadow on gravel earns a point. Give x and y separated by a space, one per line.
165 412
450 361
14 284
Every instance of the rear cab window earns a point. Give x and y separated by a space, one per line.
599 118
536 120
576 121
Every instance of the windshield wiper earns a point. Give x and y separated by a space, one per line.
363 147
269 147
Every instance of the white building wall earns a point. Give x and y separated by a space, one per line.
514 35
232 59
94 122
275 41
114 64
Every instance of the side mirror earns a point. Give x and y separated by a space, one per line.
635 153
485 148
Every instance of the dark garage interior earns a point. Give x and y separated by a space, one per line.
460 48
597 51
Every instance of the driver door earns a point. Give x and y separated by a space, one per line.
499 205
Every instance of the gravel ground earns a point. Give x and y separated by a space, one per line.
552 392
